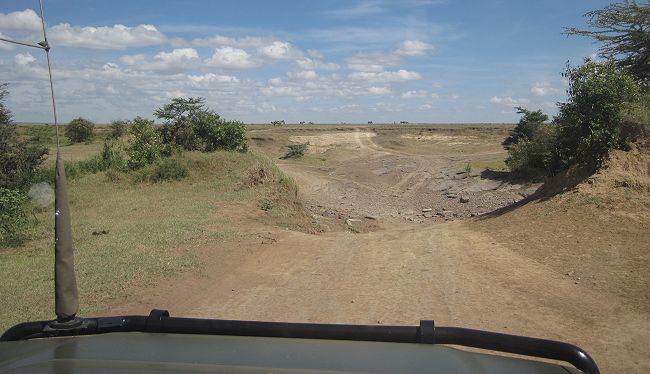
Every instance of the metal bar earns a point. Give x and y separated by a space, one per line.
22 43
159 321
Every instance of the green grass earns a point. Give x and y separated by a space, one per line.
148 224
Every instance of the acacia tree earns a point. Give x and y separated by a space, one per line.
624 30
179 115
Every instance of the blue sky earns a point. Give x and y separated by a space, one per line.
329 62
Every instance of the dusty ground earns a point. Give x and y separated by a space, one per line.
400 245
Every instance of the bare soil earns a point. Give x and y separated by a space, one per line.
410 232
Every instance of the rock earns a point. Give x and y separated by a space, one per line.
374 218
349 221
426 210
451 195
460 175
463 199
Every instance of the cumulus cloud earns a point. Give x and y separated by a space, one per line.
371 62
176 60
379 90
24 59
414 94
545 89
276 50
508 101
413 48
386 76
106 37
230 58
220 40
25 20
307 63
210 79
303 74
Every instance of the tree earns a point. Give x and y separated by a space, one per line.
589 124
79 130
624 30
18 159
527 126
118 128
145 146
179 116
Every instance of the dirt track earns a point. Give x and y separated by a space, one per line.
401 268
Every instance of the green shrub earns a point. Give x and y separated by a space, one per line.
79 130
19 160
191 126
527 126
589 124
118 129
215 133
534 158
44 135
165 169
295 151
145 146
14 221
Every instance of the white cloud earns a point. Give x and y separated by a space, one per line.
425 107
177 60
211 78
413 48
24 59
508 101
219 40
379 90
386 76
545 89
313 64
435 95
371 62
25 20
230 58
303 74
414 94
277 50
106 37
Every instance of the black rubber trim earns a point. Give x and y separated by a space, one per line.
426 332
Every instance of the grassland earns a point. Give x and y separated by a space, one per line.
128 234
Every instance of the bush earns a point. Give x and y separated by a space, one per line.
118 129
13 217
295 151
19 160
589 124
165 169
145 146
534 158
215 133
192 127
79 130
527 127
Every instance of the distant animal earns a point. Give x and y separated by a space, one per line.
370 122
278 123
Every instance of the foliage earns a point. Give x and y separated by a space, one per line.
13 217
19 160
110 158
44 135
295 151
534 157
5 114
216 133
79 130
191 126
624 30
118 129
179 115
589 124
145 146
165 169
527 127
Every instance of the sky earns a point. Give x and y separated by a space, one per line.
427 61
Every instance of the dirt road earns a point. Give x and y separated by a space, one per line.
407 267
